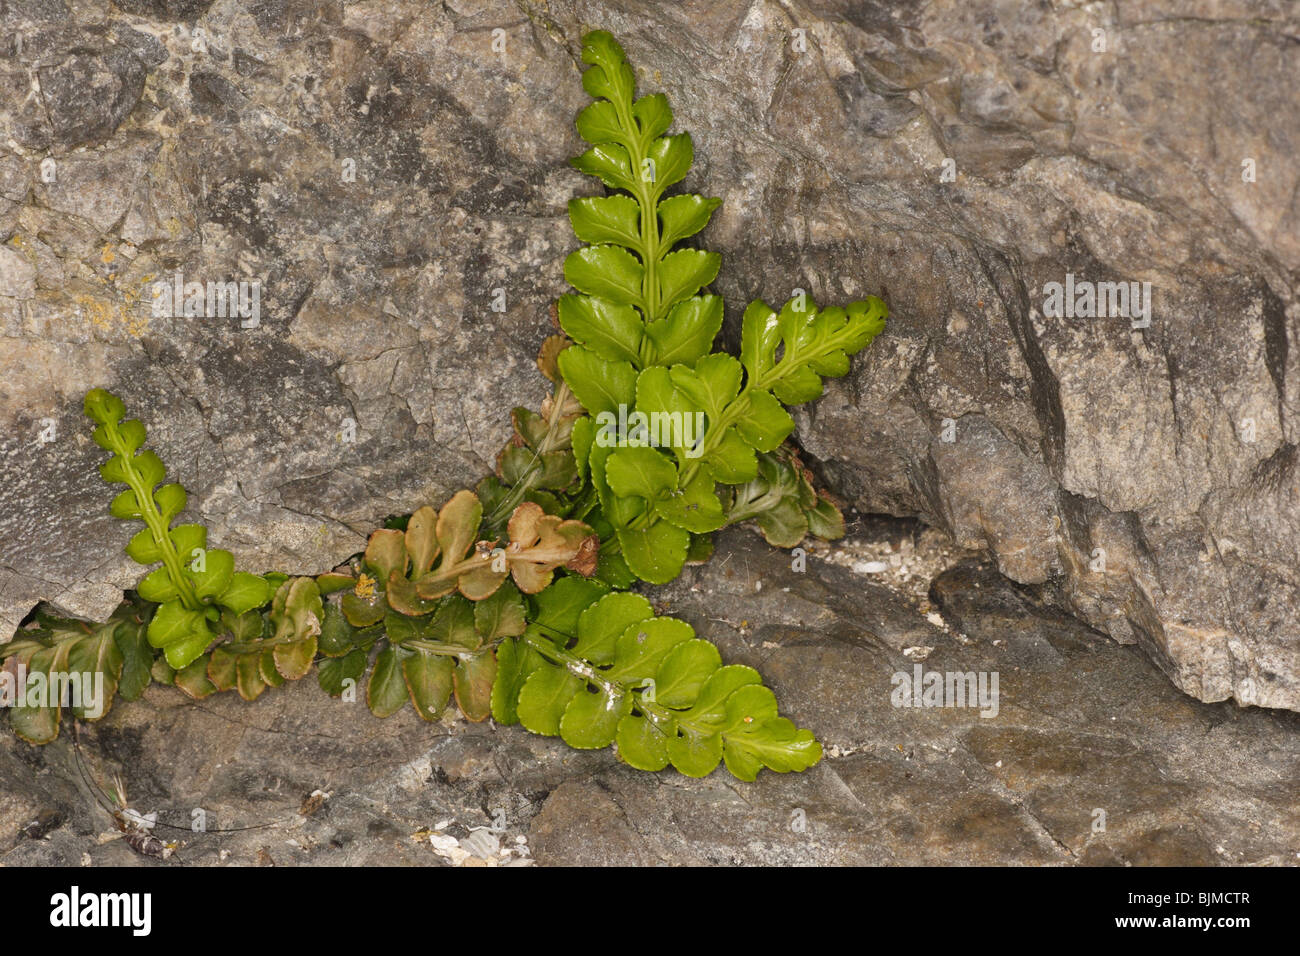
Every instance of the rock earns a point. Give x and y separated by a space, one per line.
381 170
187 10
1092 757
89 93
17 275
1083 452
582 825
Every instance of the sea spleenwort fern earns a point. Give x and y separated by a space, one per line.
597 668
640 310
194 584
437 599
508 600
642 366
118 651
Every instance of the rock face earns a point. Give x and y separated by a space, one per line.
391 175
1093 757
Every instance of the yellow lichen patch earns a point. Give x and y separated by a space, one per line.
131 296
108 255
108 315
21 244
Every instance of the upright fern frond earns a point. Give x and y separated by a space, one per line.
670 420
193 583
637 303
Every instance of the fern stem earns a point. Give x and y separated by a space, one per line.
454 571
649 217
434 647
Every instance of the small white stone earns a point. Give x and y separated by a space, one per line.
483 843
449 848
443 842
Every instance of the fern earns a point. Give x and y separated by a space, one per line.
117 651
194 583
507 599
426 659
537 464
598 668
640 309
643 368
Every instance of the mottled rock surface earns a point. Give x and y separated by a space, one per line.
1092 758
382 169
